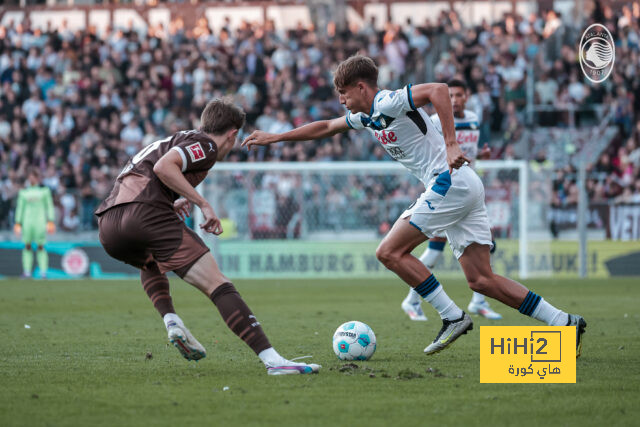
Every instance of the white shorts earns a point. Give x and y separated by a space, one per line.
453 207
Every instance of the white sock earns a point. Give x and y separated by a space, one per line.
430 257
172 318
477 298
413 297
443 304
550 315
270 357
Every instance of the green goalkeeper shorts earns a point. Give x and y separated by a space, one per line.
34 233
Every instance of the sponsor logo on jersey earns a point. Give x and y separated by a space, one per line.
396 152
464 137
386 137
195 152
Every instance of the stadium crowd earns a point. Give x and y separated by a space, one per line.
77 105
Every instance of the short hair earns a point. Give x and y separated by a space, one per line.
354 69
457 83
220 116
33 170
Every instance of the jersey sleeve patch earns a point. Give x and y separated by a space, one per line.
195 152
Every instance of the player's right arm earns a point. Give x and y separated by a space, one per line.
169 170
315 130
17 227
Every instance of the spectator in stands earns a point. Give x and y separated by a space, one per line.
77 104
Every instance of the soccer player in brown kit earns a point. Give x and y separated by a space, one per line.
140 224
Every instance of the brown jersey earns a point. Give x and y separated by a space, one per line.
138 182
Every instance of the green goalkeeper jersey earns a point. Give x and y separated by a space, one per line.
35 206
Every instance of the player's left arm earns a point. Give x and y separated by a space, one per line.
438 95
50 212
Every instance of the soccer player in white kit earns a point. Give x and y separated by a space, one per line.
453 203
467 134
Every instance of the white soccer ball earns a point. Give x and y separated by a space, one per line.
354 341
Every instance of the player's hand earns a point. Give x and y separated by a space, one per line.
258 137
455 157
211 222
17 229
182 208
485 153
51 227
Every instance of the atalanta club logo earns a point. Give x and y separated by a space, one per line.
597 53
75 262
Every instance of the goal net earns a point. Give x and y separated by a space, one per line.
326 219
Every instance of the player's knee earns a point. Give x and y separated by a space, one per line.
480 283
387 256
40 247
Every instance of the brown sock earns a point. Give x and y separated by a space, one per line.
238 317
156 285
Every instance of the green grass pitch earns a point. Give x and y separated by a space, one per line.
96 355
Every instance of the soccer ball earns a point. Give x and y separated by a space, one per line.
354 341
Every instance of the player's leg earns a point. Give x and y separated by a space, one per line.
41 253
27 251
205 275
412 304
477 269
433 254
395 253
124 238
479 305
27 260
156 285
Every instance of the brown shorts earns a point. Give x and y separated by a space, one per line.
138 234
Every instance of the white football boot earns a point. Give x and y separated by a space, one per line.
483 309
288 367
413 308
186 344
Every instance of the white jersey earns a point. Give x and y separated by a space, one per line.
467 133
405 131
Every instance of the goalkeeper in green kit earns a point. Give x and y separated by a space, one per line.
34 219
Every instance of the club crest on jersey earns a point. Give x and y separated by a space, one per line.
195 152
